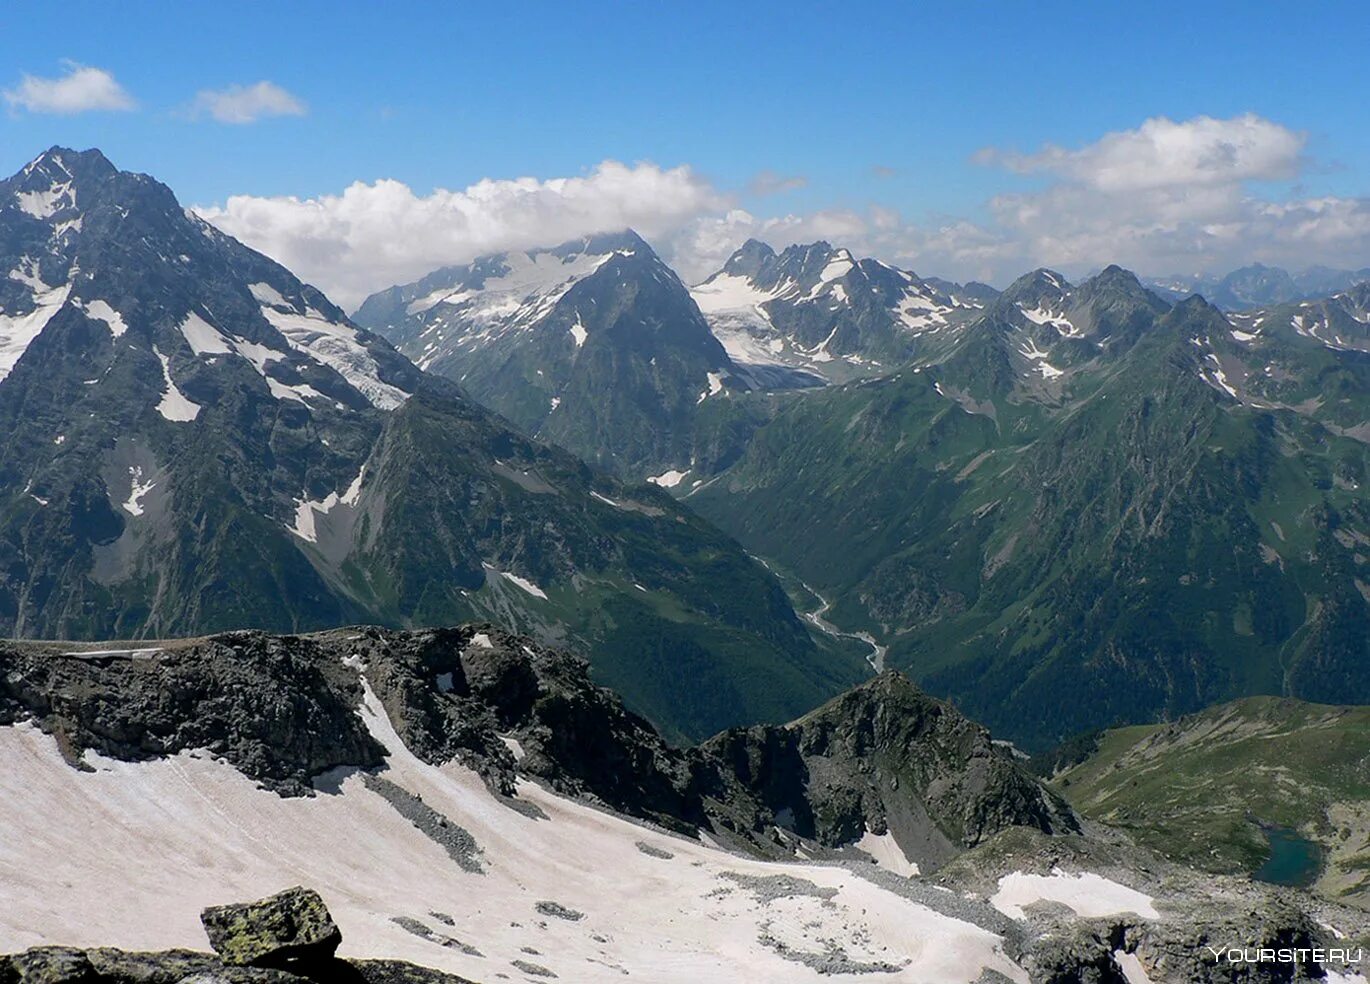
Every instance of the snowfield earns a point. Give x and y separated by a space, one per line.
128 854
1086 894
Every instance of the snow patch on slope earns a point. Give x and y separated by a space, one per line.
199 833
336 345
101 311
174 405
1086 894
18 331
524 583
668 479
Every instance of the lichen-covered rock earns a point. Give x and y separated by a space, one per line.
48 965
285 930
104 965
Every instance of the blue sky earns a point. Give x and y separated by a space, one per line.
441 96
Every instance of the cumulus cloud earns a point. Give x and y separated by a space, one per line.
1164 154
382 233
1166 197
82 89
246 104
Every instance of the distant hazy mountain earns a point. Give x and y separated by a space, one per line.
1258 286
193 440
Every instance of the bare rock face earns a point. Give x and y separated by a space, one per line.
291 929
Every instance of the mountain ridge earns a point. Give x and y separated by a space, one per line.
195 440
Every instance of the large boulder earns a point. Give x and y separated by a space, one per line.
286 930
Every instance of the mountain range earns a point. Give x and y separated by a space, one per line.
1084 489
193 440
1093 508
1057 489
1258 286
812 519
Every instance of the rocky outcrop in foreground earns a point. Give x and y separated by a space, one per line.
282 709
286 939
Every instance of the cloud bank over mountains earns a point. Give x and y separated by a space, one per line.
1164 197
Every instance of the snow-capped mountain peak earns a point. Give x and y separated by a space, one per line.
820 307
81 239
550 337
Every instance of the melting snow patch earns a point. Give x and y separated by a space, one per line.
1041 316
354 491
218 836
578 333
134 504
1244 336
337 346
525 584
101 311
43 204
482 640
715 386
668 479
174 405
888 854
1131 966
307 510
18 331
1086 894
1049 371
204 338
266 294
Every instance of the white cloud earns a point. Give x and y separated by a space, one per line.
246 104
82 90
378 234
1164 154
1166 197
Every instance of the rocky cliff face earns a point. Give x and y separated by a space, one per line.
887 758
362 732
883 758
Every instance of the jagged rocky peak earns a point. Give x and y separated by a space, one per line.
497 291
749 259
819 307
886 758
594 345
89 243
1040 288
49 187
1115 278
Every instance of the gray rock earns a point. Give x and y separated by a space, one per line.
48 965
290 929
